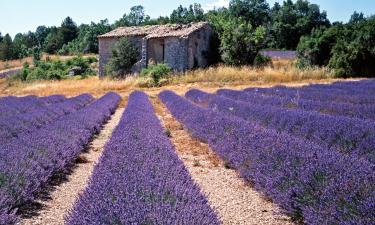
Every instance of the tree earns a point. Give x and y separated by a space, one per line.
136 17
240 42
1 37
183 15
357 17
68 30
54 41
41 34
6 48
87 40
291 21
255 12
347 49
20 46
124 56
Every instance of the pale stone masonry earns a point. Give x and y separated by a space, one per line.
182 47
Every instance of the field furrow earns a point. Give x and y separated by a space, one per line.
140 179
235 201
64 195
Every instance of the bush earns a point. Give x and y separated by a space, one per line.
124 56
347 49
156 74
262 60
240 42
56 69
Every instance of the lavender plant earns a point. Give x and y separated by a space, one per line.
362 111
332 95
311 183
29 161
35 117
346 135
140 179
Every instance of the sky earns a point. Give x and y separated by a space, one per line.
20 16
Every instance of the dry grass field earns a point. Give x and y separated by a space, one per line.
210 79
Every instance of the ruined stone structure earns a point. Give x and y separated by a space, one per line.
182 47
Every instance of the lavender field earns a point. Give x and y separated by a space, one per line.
309 150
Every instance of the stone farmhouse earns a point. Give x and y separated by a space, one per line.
182 47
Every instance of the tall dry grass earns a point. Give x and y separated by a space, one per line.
281 72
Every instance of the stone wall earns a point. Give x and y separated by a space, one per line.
105 51
199 47
156 50
176 53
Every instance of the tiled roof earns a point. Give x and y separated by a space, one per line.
168 30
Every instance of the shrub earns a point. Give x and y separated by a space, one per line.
240 42
347 49
56 69
124 56
156 74
262 60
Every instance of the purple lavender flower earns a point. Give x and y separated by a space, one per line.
140 179
311 183
30 160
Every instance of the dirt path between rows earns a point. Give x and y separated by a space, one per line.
64 196
234 201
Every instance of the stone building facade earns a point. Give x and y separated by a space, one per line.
182 47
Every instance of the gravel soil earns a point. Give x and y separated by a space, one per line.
61 200
234 200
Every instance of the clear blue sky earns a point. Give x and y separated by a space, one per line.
24 15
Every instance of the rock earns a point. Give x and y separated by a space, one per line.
75 71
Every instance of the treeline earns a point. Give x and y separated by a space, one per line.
277 24
347 49
66 39
242 30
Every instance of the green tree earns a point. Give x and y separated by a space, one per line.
136 17
240 42
357 17
124 56
183 15
20 46
255 12
68 30
41 34
6 48
54 41
291 21
87 40
347 49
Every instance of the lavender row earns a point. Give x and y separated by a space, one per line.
140 179
9 73
311 183
363 86
12 126
315 95
12 105
362 111
28 162
346 135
